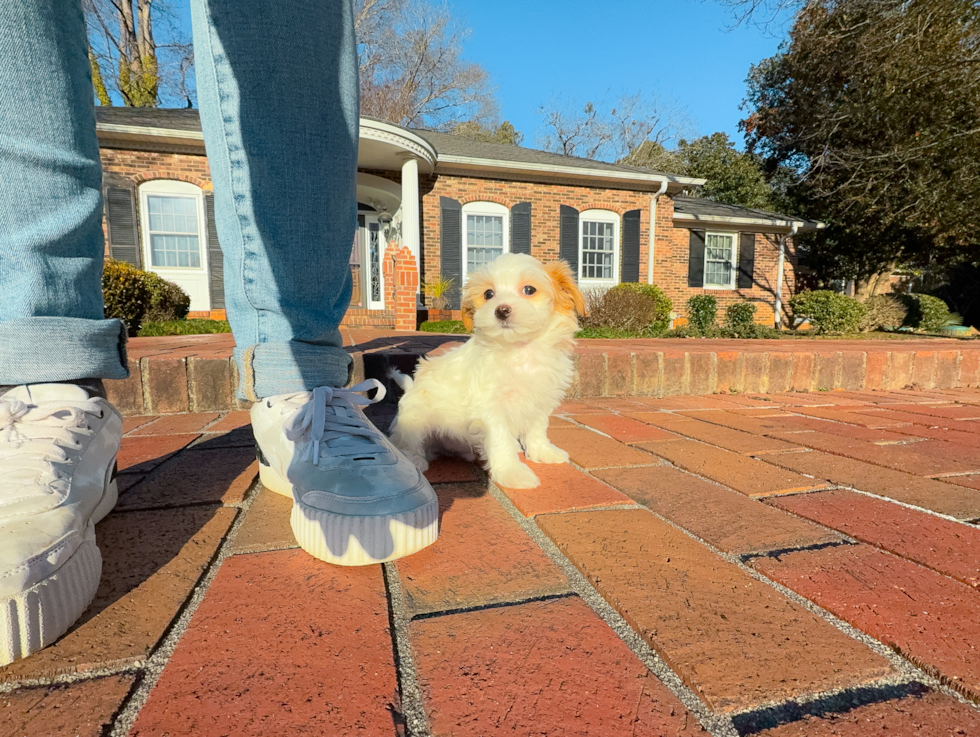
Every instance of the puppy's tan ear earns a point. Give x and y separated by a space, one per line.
468 309
568 299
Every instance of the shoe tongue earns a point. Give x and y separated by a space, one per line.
38 393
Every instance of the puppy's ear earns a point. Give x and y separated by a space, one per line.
468 308
568 299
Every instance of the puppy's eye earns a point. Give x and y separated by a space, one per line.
488 294
529 290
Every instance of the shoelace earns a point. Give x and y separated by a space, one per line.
338 427
34 438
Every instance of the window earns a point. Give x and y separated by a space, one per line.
485 233
719 260
599 248
174 228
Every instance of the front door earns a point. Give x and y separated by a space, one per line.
371 247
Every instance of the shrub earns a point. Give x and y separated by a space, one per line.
627 308
884 312
661 318
702 310
125 293
926 313
827 311
168 302
740 315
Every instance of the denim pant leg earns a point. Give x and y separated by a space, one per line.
51 245
278 91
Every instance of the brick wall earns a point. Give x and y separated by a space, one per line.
670 248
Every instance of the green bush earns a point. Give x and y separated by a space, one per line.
443 326
608 333
884 312
125 293
740 316
662 304
167 301
828 312
926 313
702 310
183 327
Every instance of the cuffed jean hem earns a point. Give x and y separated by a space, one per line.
268 369
37 350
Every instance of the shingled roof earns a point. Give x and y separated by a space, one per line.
699 208
446 145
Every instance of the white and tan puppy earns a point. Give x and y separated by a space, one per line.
494 393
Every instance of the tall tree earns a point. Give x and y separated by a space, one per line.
503 133
874 105
412 68
607 132
128 62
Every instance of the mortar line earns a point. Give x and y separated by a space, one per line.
154 665
412 704
422 616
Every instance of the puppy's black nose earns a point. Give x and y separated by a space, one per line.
502 312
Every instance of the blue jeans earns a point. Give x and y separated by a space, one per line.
278 91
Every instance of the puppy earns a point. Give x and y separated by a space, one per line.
494 393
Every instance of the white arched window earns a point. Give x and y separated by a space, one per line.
174 237
486 234
598 248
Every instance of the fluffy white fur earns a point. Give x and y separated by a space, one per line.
494 393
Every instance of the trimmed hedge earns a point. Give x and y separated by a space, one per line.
125 293
662 304
828 312
702 311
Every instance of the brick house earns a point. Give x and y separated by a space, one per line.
444 205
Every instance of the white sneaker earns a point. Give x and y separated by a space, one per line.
57 456
356 499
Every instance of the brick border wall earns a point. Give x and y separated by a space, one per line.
165 385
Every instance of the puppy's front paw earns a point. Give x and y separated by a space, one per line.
515 477
547 454
418 461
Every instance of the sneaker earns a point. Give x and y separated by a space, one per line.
57 461
356 499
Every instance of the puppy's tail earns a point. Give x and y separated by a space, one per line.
403 380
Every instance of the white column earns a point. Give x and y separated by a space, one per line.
410 211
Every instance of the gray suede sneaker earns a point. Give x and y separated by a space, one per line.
356 499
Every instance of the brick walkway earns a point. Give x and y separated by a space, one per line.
782 564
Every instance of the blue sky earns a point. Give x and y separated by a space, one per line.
681 51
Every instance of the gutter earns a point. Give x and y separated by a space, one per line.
779 273
653 229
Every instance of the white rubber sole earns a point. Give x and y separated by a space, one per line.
35 618
346 540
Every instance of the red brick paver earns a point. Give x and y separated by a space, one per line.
282 644
949 547
747 475
592 450
732 639
728 520
482 556
624 429
926 616
563 489
550 667
83 709
177 424
138 455
931 714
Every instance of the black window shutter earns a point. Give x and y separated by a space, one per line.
120 210
746 260
568 237
630 256
520 228
451 247
216 261
695 260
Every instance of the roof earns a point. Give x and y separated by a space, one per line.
709 211
452 151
